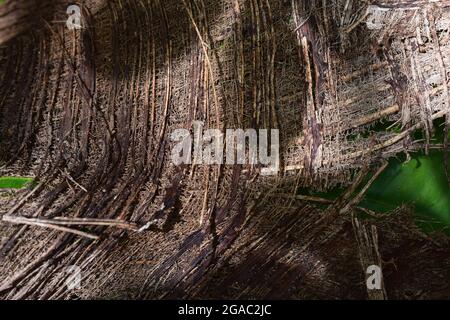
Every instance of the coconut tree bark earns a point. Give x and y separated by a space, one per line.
90 113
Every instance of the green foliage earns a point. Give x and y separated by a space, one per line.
15 182
420 182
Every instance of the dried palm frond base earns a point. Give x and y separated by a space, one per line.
90 112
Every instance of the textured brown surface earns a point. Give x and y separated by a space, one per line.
90 112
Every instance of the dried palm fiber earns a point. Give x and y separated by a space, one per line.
405 79
90 113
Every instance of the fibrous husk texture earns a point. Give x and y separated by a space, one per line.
89 113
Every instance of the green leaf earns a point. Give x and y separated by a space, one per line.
420 182
15 182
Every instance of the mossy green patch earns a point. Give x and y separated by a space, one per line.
15 182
